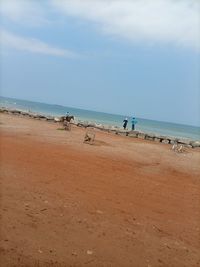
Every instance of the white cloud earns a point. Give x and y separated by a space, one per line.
146 21
25 12
33 45
151 21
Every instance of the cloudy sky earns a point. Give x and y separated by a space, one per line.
137 57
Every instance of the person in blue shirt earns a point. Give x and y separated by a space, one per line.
133 122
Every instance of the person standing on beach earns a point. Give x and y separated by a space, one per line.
67 115
125 121
133 122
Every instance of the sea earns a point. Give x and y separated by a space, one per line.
143 125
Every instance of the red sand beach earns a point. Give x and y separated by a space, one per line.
119 202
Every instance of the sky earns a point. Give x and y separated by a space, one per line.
133 57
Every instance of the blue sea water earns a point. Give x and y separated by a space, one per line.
149 126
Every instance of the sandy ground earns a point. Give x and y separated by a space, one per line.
119 202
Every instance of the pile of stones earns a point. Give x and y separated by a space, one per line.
133 134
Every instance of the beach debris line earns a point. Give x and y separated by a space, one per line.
185 142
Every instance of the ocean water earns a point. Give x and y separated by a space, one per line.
144 125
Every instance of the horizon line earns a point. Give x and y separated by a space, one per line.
97 111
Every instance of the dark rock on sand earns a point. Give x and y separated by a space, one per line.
195 143
133 134
141 135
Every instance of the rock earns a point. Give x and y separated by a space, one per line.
91 124
99 125
183 141
83 124
173 142
43 209
75 122
156 139
107 128
171 138
33 115
89 252
36 116
15 111
41 116
188 146
114 128
49 118
24 113
161 137
195 144
141 135
99 211
122 132
133 134
150 137
100 128
165 141
56 119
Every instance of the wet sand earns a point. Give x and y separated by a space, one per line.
119 202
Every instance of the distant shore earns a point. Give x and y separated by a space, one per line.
114 129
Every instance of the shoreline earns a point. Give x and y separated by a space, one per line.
186 142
